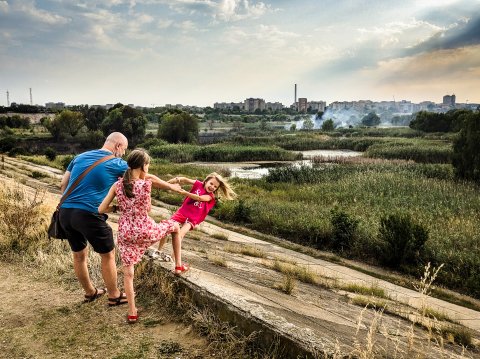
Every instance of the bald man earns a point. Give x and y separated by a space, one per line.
81 221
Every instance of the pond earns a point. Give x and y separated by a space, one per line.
255 170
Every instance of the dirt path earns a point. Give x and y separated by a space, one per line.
39 319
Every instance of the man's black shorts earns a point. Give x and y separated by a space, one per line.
82 226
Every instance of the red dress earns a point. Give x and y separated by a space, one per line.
136 230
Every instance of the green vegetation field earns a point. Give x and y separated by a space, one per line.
409 174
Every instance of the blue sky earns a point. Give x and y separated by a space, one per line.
197 52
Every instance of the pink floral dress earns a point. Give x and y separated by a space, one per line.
136 230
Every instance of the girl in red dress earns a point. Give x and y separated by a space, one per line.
136 230
198 202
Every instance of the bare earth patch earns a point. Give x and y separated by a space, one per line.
39 319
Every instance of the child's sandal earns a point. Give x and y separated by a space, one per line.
182 269
132 319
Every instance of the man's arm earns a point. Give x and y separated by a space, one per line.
64 182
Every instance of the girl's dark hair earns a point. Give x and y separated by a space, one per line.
136 159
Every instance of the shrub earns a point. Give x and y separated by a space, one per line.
403 239
344 229
91 139
50 153
17 151
66 161
7 143
466 148
242 212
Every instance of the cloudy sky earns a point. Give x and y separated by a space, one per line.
197 52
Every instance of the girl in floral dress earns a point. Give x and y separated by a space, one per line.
136 230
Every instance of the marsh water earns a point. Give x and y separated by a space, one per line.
259 169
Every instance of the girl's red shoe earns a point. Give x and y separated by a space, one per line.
182 269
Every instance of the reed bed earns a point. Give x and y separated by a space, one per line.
298 207
181 153
417 150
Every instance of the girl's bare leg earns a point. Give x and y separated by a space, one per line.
177 243
128 273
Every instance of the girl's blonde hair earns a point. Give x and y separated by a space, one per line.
136 159
226 191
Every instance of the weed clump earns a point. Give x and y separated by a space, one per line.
20 216
403 240
344 229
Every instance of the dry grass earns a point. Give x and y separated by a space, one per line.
220 236
288 284
246 250
369 302
373 290
217 260
303 274
22 215
194 236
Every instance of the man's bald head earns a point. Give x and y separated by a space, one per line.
116 143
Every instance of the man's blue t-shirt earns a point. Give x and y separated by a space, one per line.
93 188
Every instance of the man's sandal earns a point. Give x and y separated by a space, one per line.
185 267
121 299
94 296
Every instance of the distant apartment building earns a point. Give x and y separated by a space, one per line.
317 105
405 106
253 104
449 100
302 104
425 106
274 106
55 105
228 105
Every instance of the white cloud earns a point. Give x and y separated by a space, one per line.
399 33
28 8
163 24
3 6
234 10
186 26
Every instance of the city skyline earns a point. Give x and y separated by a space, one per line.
198 52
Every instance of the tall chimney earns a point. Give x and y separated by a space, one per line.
295 103
31 100
8 99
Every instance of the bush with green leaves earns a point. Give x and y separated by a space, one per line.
66 161
242 212
328 125
178 127
50 153
7 143
466 149
403 240
344 229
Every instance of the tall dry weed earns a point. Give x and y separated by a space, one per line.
22 216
